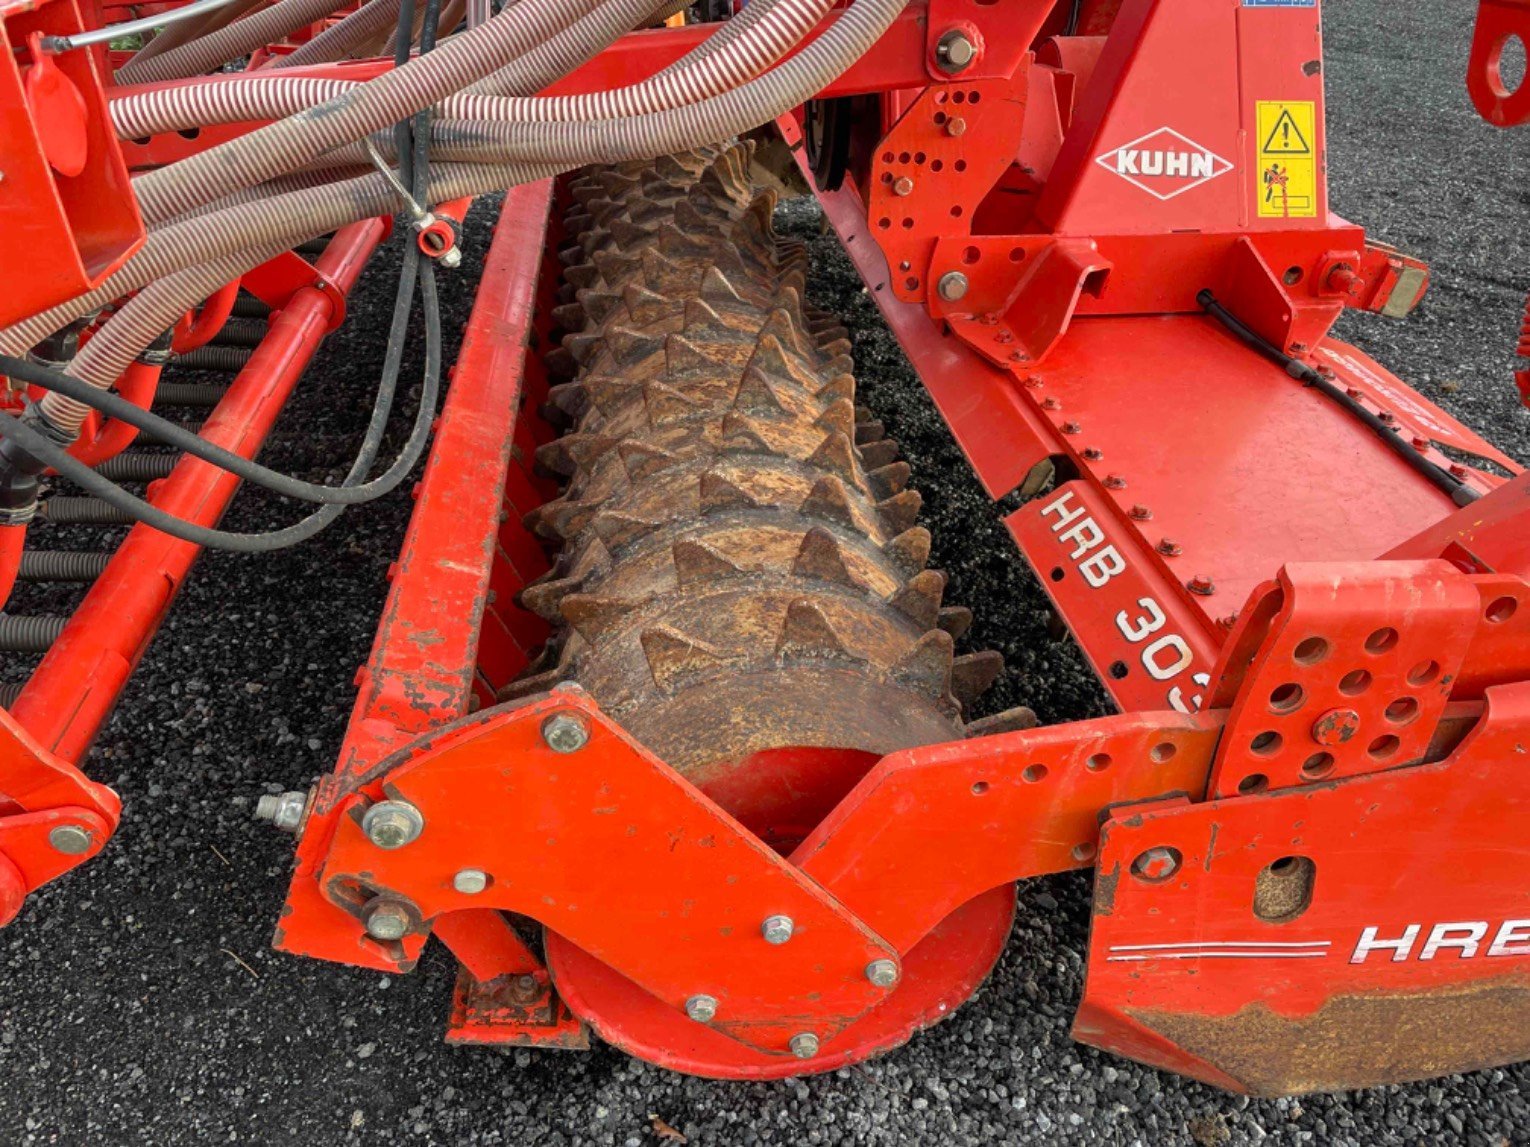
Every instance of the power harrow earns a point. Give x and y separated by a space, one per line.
664 733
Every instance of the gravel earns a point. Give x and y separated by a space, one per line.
142 1003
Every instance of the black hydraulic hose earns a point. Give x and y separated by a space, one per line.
1460 493
34 443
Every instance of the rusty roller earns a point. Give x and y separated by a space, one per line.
737 585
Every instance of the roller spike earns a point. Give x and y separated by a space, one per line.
616 529
885 481
680 244
755 395
837 347
577 221
671 168
569 316
909 551
837 418
643 305
641 460
554 457
598 305
927 664
875 455
829 500
716 289
627 235
583 347
666 405
836 455
629 347
542 597
974 673
759 216
572 256
690 219
585 448
840 388
616 185
863 414
718 494
658 269
697 561
872 431
530 686
595 615
560 364
700 317
779 323
771 357
672 655
901 511
682 356
740 435
610 393
919 598
593 239
610 266
569 398
820 557
1013 720
560 520
955 620
806 632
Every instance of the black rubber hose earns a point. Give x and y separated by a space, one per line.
34 443
1460 493
173 434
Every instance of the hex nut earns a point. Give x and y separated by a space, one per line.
955 52
392 824
777 929
565 733
804 1045
952 286
882 973
470 881
701 1008
69 839
1156 864
387 920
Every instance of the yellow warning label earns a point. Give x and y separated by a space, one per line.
1287 170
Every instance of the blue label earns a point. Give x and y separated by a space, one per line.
1280 3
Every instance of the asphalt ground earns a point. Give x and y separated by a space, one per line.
139 999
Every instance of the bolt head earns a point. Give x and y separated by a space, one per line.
526 988
450 258
701 1008
392 824
470 881
1156 864
282 810
387 920
804 1045
565 733
1141 513
1169 548
952 286
903 186
69 839
777 929
1072 427
882 973
1202 586
956 125
955 52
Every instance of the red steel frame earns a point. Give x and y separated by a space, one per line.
1325 681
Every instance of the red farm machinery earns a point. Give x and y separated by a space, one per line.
664 734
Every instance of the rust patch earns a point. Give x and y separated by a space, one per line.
1359 1041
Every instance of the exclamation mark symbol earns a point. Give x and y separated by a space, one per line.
1285 132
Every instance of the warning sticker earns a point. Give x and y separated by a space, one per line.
1287 169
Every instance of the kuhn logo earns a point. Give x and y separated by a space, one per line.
1164 163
